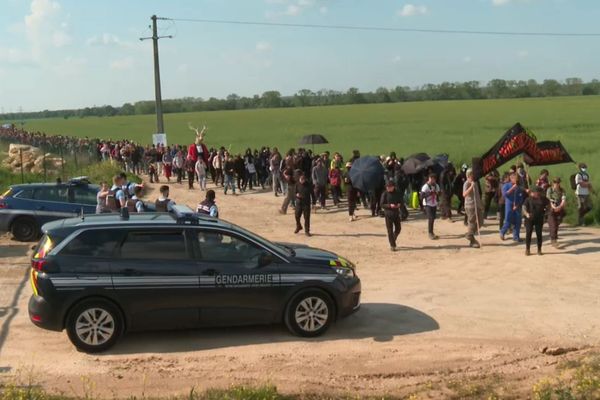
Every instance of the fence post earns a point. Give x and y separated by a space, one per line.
45 171
21 157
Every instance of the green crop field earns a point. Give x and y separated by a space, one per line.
463 129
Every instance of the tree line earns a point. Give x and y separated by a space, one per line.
472 90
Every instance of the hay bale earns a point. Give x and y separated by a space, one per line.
14 148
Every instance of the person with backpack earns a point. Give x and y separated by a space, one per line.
556 212
209 206
134 204
391 202
163 202
580 182
429 194
116 197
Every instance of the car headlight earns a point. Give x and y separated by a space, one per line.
345 272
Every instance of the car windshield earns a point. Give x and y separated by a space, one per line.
278 248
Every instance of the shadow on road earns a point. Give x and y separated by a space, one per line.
378 321
11 311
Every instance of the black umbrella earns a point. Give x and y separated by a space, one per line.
367 173
313 139
441 160
416 163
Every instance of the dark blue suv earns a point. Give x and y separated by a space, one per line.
25 208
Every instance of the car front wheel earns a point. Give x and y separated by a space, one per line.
24 229
94 326
310 313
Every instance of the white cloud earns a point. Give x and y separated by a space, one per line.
263 46
106 39
44 26
122 64
500 2
410 10
292 10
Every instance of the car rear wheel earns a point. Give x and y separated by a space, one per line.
310 313
24 229
94 326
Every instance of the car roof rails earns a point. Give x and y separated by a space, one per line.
184 215
80 180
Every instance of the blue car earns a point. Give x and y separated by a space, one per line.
25 208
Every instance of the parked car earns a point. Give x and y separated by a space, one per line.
100 276
25 208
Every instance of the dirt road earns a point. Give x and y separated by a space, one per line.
435 310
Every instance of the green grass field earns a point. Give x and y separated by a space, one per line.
463 129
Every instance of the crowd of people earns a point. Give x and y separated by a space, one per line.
310 182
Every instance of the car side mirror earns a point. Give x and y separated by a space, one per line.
265 259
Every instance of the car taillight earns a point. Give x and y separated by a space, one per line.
3 203
38 264
36 318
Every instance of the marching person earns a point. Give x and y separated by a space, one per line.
208 206
535 208
351 193
163 202
583 191
290 188
542 182
558 201
472 208
190 168
492 182
514 196
319 179
303 204
200 170
446 182
229 173
430 192
391 202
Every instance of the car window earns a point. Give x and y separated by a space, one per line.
53 193
221 247
83 195
25 194
93 243
157 245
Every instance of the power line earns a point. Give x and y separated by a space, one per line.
386 29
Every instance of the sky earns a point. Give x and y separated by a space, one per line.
57 54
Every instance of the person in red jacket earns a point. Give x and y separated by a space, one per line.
198 148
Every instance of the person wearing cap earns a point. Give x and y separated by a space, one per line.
535 208
391 201
473 208
583 192
558 201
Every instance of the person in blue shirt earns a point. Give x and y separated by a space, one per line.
514 197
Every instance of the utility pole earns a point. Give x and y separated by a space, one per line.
160 126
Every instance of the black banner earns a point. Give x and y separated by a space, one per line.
548 153
515 141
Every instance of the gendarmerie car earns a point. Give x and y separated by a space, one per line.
103 275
